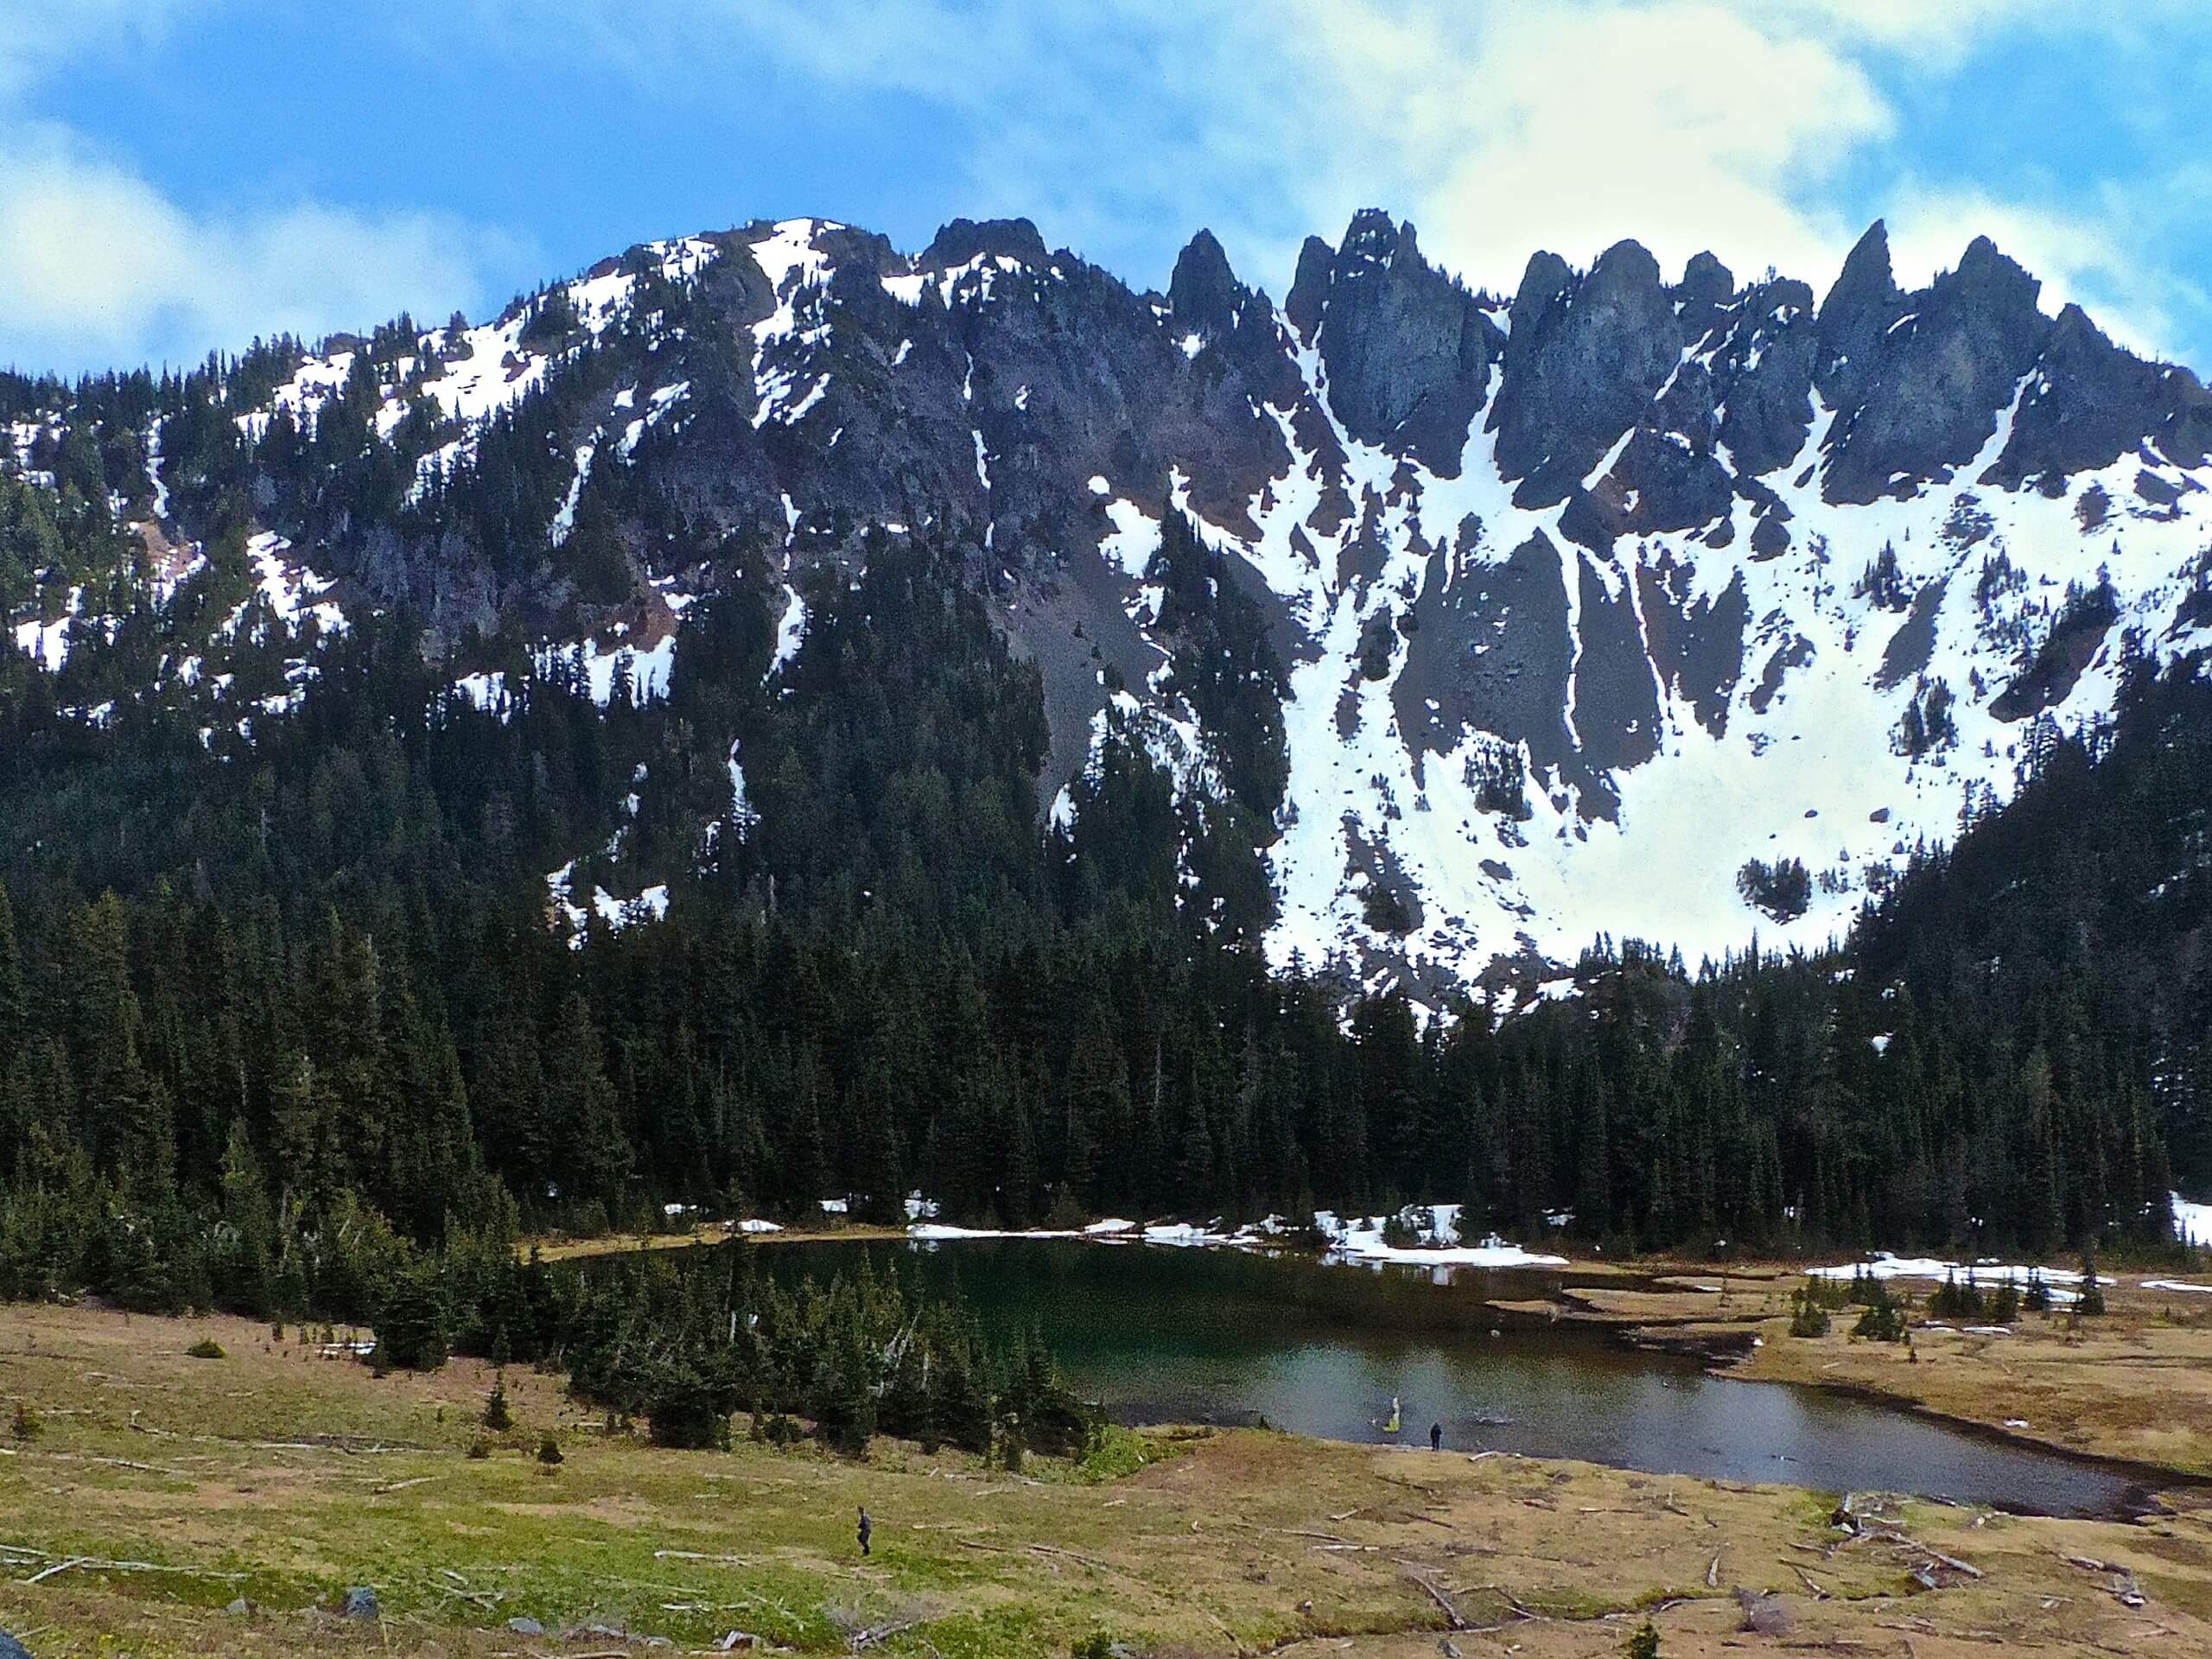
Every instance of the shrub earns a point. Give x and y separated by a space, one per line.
1954 1300
548 1450
479 1448
27 1425
2092 1299
412 1333
1110 1452
1882 1321
689 1409
1783 890
1065 1213
1644 1644
1385 910
497 1417
1807 1317
205 1348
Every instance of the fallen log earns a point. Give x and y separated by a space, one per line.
1451 1613
101 1564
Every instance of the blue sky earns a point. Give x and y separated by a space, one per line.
181 174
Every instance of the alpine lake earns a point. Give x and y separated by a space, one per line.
1158 1334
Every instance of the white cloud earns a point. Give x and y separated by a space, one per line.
37 37
1569 126
99 268
1765 130
2091 255
1559 123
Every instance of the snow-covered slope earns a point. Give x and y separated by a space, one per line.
1586 599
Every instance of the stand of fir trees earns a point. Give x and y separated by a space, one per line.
682 1347
290 1021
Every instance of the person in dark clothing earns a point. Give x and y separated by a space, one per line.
867 1526
1436 1437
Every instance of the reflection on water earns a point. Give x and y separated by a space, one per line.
1208 1335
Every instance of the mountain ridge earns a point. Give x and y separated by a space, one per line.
1612 576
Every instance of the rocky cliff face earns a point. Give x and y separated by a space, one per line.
1588 598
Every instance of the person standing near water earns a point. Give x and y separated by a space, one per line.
866 1528
1436 1437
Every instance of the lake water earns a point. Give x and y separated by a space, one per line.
1211 1336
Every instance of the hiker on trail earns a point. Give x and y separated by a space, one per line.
867 1526
1436 1437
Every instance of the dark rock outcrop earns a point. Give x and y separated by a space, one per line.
1703 296
964 239
1764 376
1408 350
1861 305
2084 408
1937 378
1584 358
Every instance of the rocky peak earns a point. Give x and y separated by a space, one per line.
1546 278
1408 350
1309 288
1583 361
1862 303
2183 431
1764 376
1703 295
1231 331
1936 380
2083 410
1203 293
1374 238
964 239
839 246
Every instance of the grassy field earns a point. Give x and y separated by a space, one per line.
172 1486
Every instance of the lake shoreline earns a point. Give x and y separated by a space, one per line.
223 1475
2087 1402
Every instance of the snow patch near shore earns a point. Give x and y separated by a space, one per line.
2193 1222
1436 1231
1356 1240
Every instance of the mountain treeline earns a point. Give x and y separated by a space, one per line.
272 1010
285 993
